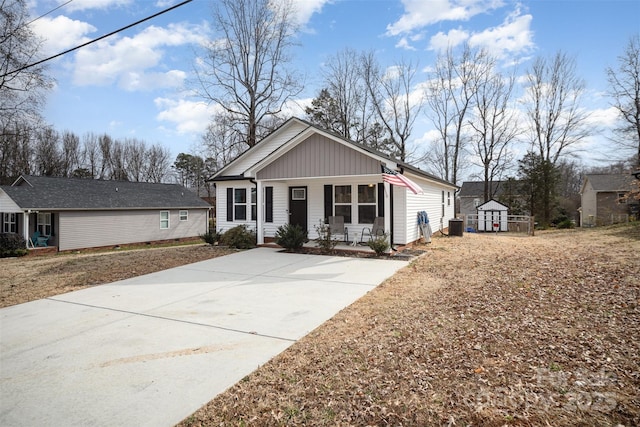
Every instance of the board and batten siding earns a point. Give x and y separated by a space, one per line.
263 149
319 156
87 229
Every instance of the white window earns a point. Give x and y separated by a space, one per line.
164 220
183 215
366 203
476 203
44 223
9 223
342 202
240 204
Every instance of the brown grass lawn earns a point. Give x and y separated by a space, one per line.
483 330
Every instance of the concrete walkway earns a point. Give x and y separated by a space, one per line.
149 351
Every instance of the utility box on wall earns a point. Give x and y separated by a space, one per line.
492 216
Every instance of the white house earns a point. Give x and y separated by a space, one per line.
301 174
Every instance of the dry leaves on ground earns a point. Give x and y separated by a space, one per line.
484 330
31 278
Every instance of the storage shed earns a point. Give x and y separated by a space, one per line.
492 216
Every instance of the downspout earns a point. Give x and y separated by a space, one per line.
391 215
253 181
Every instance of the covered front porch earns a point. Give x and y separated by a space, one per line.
34 227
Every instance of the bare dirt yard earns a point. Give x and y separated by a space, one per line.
483 330
31 278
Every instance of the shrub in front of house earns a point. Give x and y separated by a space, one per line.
325 240
12 245
211 237
239 237
380 244
291 237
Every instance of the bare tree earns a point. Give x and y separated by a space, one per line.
16 152
21 89
135 154
556 118
91 153
244 71
47 155
71 154
494 124
159 163
220 141
393 100
624 89
554 106
450 94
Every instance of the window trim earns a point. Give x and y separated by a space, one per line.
348 220
183 215
42 226
236 205
167 220
374 204
10 222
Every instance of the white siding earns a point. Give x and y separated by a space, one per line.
263 149
589 205
7 204
430 201
80 229
280 208
222 224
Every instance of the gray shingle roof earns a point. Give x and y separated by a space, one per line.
610 182
39 192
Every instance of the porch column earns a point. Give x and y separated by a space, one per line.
25 227
387 210
260 213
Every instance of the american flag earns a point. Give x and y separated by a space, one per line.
395 178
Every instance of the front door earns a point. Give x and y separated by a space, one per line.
298 206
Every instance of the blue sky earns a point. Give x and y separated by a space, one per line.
134 84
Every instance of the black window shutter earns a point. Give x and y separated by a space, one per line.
53 224
229 204
381 199
328 202
268 204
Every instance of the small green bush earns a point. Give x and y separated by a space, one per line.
325 241
211 237
379 244
291 237
566 223
239 237
12 245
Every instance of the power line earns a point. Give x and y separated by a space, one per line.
45 14
96 40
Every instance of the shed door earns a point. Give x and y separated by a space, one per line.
298 206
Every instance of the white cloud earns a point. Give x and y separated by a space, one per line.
61 33
420 13
403 43
93 4
441 41
188 116
304 9
603 117
128 60
513 36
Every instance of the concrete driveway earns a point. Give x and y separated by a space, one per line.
149 351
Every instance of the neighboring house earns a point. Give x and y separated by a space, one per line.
471 196
301 174
603 199
83 213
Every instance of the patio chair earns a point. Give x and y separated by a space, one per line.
377 230
33 240
336 226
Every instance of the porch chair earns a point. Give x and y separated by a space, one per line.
33 240
376 230
336 226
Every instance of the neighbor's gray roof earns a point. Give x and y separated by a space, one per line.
39 192
476 188
610 182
